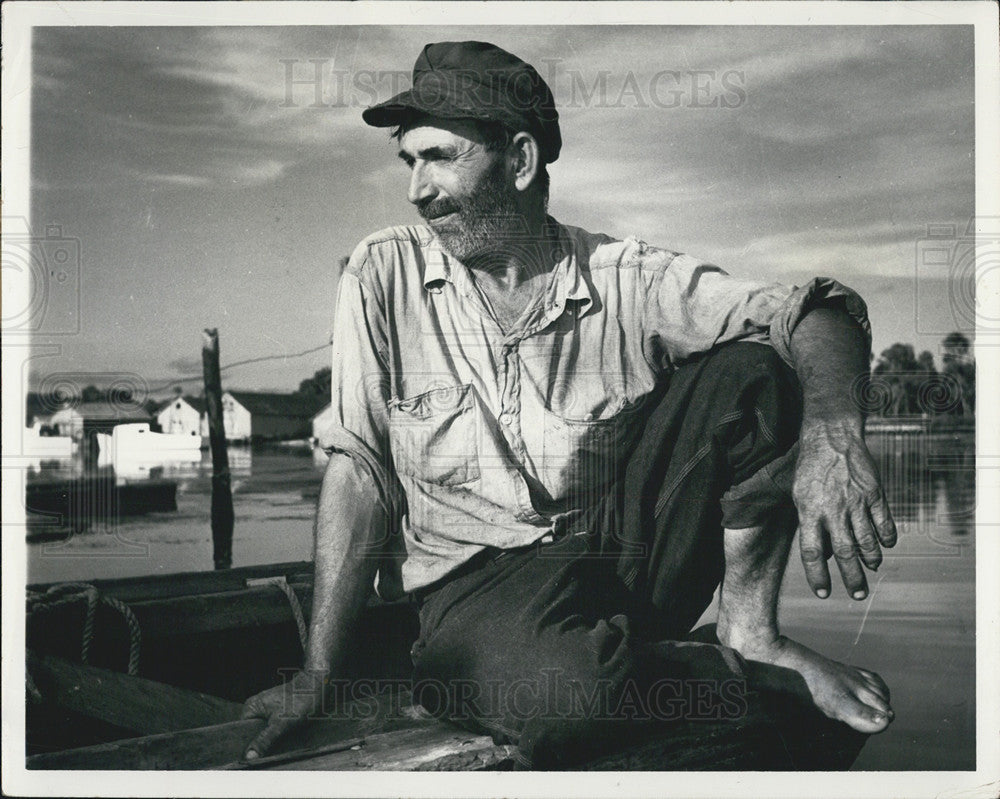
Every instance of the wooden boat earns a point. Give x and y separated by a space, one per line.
58 508
151 673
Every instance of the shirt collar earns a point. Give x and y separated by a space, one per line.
567 283
437 264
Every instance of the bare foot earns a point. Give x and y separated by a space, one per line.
854 696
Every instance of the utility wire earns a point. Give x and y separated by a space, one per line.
190 378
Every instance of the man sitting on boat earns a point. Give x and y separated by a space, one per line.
560 444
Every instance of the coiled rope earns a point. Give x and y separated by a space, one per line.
71 593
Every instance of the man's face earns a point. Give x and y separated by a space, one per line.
459 187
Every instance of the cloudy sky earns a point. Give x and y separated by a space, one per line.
207 190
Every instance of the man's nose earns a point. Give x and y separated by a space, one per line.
421 187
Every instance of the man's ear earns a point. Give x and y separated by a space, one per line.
526 158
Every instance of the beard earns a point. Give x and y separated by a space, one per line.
481 224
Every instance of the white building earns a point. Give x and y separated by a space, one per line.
320 424
264 416
181 415
236 420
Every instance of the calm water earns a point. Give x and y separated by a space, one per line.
273 498
917 628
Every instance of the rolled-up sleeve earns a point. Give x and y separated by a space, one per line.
359 384
818 292
695 306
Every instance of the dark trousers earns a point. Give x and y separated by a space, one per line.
574 647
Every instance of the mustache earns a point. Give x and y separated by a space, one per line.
431 209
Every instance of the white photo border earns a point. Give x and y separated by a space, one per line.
18 21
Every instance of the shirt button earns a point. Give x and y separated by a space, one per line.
505 418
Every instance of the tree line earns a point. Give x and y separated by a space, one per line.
903 383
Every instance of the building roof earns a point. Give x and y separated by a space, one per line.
296 406
198 403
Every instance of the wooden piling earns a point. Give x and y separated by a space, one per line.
222 492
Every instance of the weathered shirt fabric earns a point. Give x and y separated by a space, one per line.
479 438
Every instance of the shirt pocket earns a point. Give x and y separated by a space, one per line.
434 436
583 457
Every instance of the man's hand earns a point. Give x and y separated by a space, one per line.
284 707
842 508
349 518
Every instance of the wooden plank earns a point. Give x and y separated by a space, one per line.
431 746
205 747
132 703
269 761
201 613
186 583
423 745
131 589
252 607
174 616
222 745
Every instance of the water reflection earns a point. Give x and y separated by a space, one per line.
929 479
930 482
86 492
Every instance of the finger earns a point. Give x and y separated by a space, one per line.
864 535
813 558
252 709
845 552
262 744
882 517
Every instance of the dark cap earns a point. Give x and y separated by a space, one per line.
476 80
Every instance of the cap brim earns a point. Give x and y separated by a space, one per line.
391 112
396 110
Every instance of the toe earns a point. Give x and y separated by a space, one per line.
877 683
865 718
873 700
876 722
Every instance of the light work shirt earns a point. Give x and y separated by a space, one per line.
480 438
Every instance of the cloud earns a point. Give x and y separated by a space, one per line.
841 155
185 107
185 366
196 173
175 180
261 172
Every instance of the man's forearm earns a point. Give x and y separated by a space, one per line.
349 522
842 508
830 353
